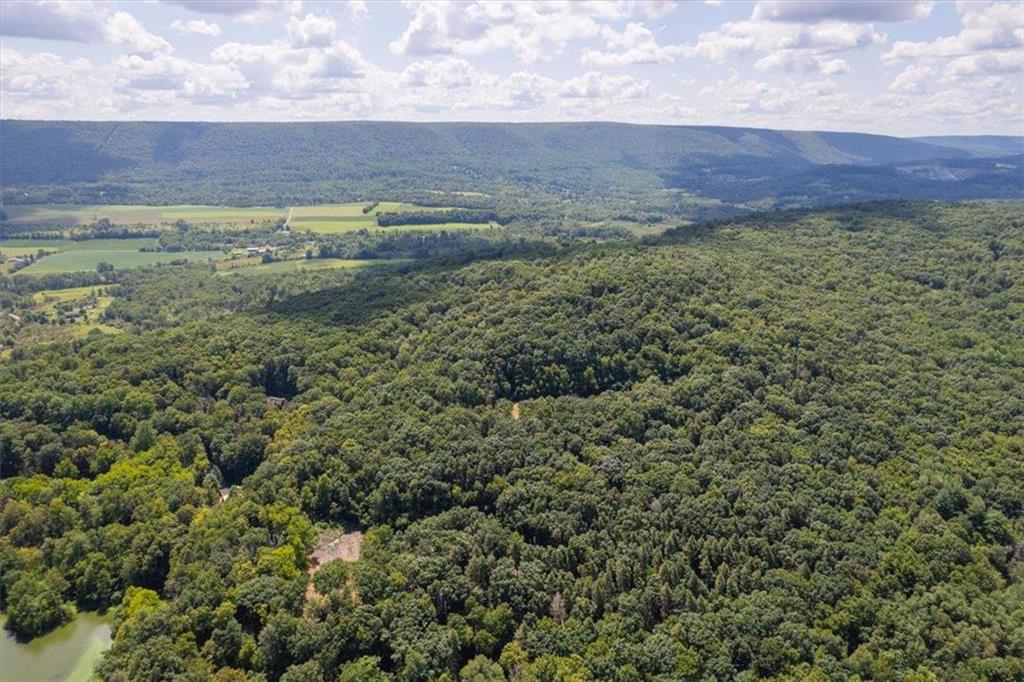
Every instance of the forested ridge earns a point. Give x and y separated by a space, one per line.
786 446
81 162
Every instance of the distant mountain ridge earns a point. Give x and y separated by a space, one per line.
978 145
251 162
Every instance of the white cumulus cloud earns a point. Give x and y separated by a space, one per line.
197 27
41 75
79 21
984 26
180 77
283 70
532 31
311 31
634 45
596 85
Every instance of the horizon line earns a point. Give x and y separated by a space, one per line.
500 122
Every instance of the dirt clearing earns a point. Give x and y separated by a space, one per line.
335 545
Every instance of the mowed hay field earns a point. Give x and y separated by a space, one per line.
19 251
336 218
302 265
323 219
70 215
332 218
76 256
77 261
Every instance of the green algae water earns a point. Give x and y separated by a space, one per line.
68 654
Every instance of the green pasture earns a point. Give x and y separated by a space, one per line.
338 218
324 218
353 210
332 224
332 218
16 251
401 207
32 246
70 215
79 260
86 254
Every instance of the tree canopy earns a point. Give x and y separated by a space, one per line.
787 446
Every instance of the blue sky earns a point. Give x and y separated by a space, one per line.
904 68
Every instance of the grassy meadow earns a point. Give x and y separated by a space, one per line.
76 256
338 218
322 219
77 261
20 251
71 215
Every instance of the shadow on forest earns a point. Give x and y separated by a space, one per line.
385 290
50 154
364 298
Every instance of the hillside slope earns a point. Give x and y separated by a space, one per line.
784 447
251 162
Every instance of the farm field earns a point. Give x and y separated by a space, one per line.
333 224
18 251
331 218
76 256
70 215
33 245
399 206
80 260
324 218
301 266
338 218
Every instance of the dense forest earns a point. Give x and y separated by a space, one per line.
788 445
301 163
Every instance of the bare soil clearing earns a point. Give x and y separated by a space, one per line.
333 545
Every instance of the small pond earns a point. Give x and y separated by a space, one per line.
68 654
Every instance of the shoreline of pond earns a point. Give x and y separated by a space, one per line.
68 653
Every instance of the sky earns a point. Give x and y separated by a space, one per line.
901 68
